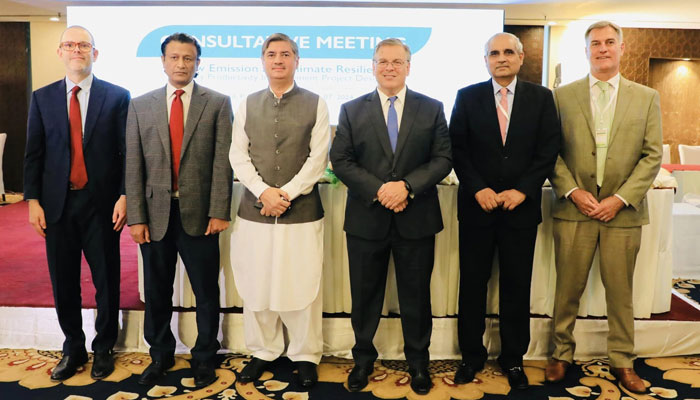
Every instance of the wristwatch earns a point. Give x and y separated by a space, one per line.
408 186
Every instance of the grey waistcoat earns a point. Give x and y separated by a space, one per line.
279 132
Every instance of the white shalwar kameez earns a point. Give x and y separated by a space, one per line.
277 267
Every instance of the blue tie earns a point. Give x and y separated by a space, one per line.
392 123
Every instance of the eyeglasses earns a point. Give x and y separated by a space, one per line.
385 63
70 46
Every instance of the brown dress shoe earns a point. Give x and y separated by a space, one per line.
629 379
556 370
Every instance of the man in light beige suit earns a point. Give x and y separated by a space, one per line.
611 152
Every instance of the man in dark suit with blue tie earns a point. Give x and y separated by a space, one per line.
391 148
505 140
74 183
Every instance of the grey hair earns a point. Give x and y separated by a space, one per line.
604 24
92 38
393 42
280 37
518 43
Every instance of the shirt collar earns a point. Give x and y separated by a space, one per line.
511 86
285 92
401 95
84 85
614 81
170 89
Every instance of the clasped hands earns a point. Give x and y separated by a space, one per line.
393 195
507 199
587 204
275 202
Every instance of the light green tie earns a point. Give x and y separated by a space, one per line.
603 123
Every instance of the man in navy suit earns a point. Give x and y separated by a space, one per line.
391 148
505 140
74 183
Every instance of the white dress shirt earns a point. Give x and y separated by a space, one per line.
83 96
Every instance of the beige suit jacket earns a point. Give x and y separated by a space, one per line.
634 150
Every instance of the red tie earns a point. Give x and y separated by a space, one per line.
177 130
78 173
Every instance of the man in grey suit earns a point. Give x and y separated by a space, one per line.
611 153
178 187
391 148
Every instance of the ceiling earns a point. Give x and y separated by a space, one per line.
637 13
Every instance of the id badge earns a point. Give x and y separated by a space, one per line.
601 137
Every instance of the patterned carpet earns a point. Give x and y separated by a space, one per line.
689 289
24 375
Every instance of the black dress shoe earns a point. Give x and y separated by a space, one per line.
306 374
517 378
465 373
67 367
204 375
154 372
102 365
420 380
359 377
253 370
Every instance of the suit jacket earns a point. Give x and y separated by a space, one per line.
47 154
205 177
634 150
482 161
362 158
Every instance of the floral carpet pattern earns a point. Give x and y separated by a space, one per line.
688 288
25 375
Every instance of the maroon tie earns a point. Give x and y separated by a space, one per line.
177 130
78 173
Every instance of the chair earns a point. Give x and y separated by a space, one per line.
3 138
689 154
666 158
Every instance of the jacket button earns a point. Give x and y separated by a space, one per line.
592 175
276 120
277 168
393 174
276 135
277 151
505 157
593 153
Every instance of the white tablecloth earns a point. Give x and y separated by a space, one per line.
652 281
688 182
686 241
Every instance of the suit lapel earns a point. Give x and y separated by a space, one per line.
410 110
624 98
97 99
490 113
376 117
198 101
518 113
159 110
60 113
583 95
